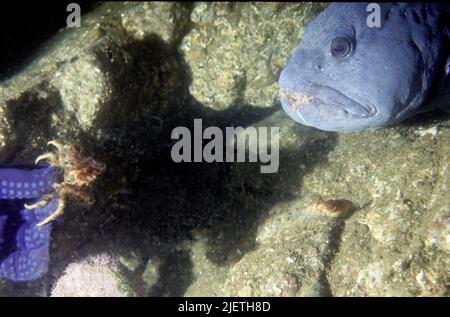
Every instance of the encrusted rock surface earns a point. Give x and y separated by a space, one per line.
236 51
222 229
395 242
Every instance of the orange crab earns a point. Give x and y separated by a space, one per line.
78 173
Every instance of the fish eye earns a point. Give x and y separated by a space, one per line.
340 47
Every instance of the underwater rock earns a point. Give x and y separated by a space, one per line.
83 96
90 86
393 243
236 50
151 272
103 69
164 19
294 257
222 229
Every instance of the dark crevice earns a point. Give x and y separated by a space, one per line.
25 28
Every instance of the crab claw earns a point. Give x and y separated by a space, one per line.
54 160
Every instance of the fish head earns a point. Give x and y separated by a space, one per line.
347 76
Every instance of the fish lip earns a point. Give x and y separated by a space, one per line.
331 97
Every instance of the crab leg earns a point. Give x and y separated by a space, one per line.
41 203
52 156
54 215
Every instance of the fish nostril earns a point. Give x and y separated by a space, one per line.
319 68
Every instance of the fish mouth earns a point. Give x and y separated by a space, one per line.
328 103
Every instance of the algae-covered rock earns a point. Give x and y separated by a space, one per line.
118 85
295 257
236 50
104 66
395 243
164 19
